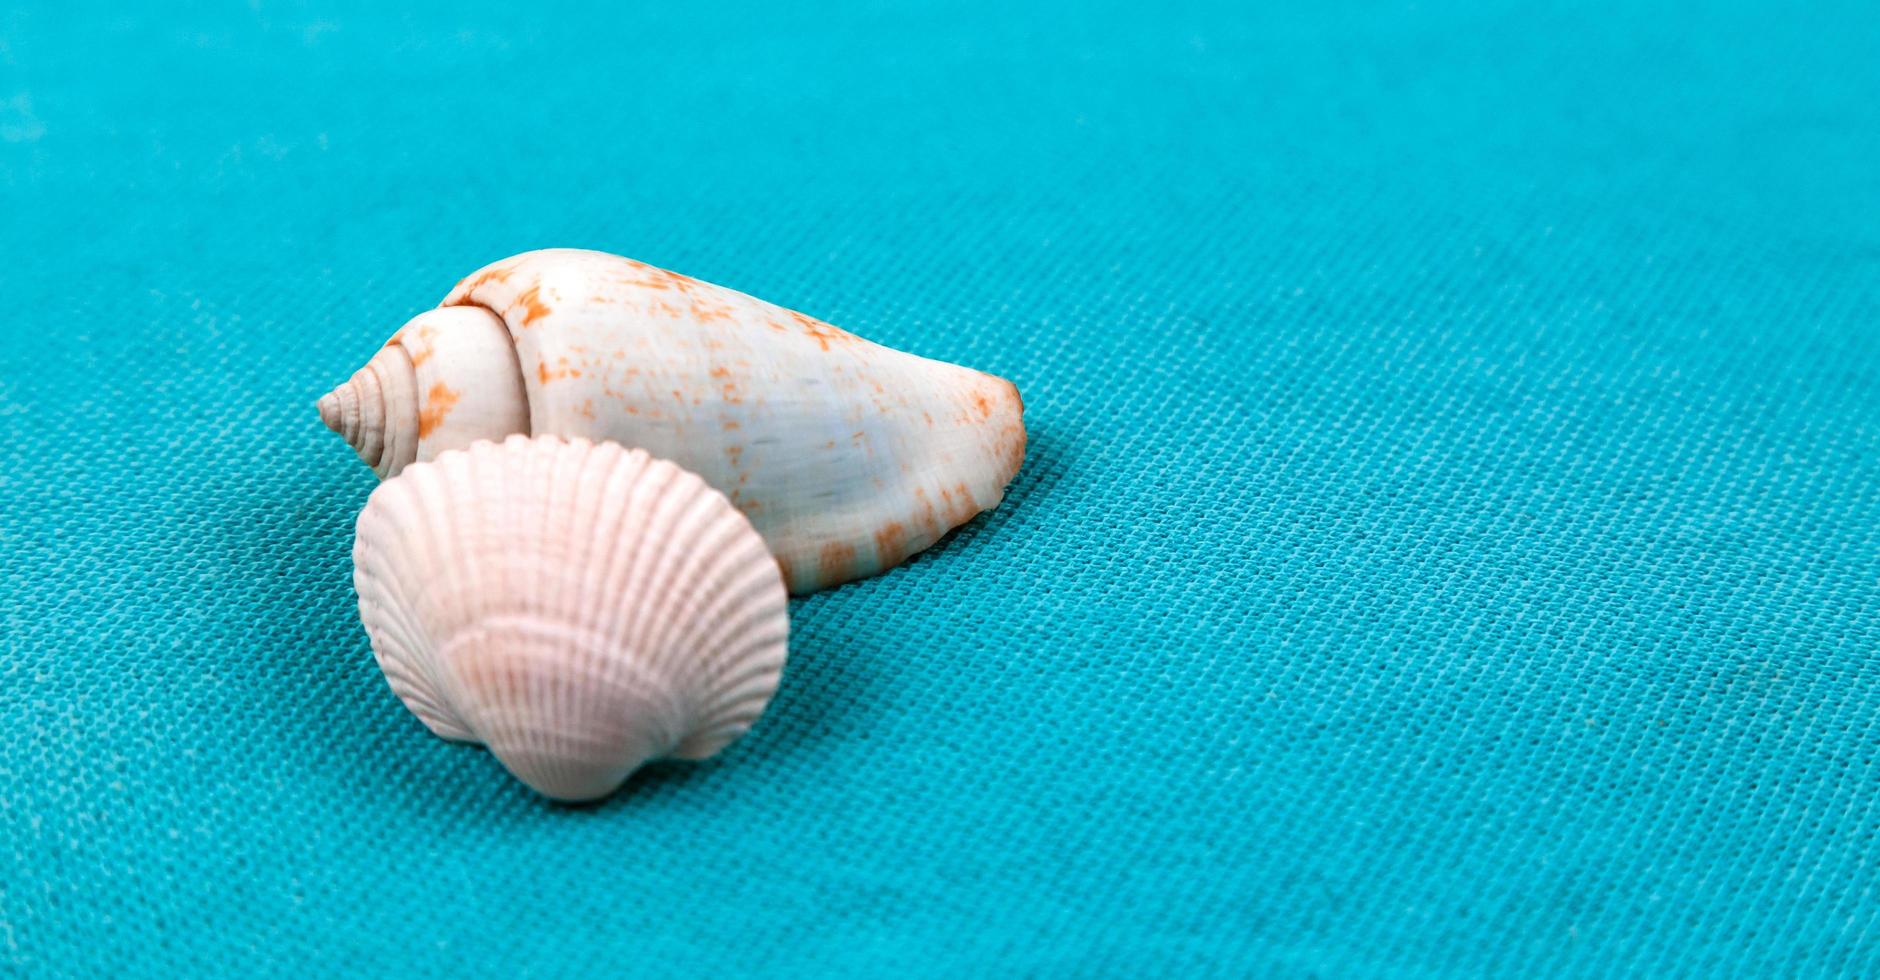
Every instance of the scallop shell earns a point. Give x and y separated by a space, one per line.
847 456
577 607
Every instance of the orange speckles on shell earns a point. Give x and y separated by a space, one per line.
677 280
925 513
707 312
728 386
981 402
836 558
966 504
493 274
957 505
533 309
890 543
546 374
734 453
423 337
821 332
731 424
690 299
437 404
1013 440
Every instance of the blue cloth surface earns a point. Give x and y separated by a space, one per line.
1448 544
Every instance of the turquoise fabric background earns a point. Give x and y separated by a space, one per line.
1448 545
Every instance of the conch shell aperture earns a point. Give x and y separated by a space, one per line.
845 455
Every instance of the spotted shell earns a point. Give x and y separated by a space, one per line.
847 456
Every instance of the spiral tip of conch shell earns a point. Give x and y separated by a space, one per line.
330 413
376 412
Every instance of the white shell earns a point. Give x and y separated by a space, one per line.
847 456
577 607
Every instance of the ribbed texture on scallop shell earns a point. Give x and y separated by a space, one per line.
578 607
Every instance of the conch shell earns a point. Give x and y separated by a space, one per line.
577 607
847 456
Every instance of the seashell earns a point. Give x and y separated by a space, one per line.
847 456
577 607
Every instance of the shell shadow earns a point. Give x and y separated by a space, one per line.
1046 460
829 692
314 678
833 685
311 677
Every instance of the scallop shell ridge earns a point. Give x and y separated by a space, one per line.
578 607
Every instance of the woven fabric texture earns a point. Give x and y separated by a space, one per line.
1448 544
